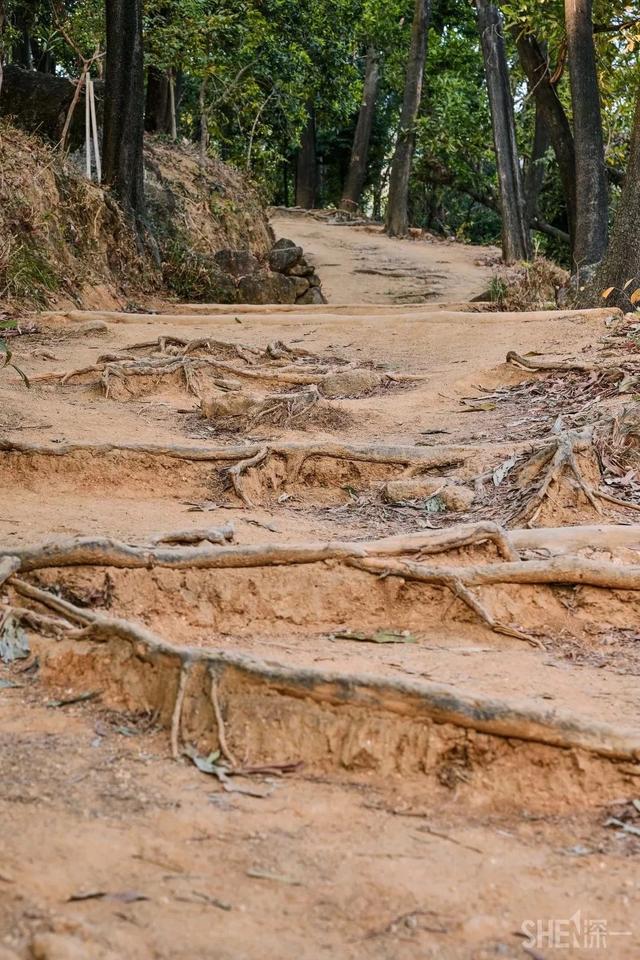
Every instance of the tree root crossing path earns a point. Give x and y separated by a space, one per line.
319 625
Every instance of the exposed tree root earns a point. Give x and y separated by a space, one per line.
198 535
574 571
217 712
235 473
168 364
179 346
536 364
176 719
553 460
420 458
245 411
408 698
8 566
68 610
445 578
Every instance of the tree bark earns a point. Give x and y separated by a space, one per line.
622 261
307 166
398 203
535 170
536 67
590 171
516 240
355 180
157 114
22 52
123 138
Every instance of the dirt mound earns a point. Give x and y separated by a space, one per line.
63 240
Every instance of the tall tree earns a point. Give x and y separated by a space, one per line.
355 180
590 171
535 170
307 165
398 203
123 136
618 276
157 111
535 64
516 241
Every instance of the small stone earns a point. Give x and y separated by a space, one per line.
350 383
302 285
92 326
221 406
283 243
454 497
55 946
301 269
313 295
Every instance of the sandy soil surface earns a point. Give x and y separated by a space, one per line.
420 797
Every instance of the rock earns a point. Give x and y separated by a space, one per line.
237 263
266 288
283 243
302 285
56 946
314 280
350 383
454 497
92 326
222 406
301 269
283 258
313 295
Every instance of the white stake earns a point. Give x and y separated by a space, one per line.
94 124
87 121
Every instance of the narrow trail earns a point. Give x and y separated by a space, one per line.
369 573
360 264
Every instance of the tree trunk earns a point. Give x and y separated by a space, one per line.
357 174
535 170
157 114
398 203
123 138
22 52
590 172
307 166
622 261
516 240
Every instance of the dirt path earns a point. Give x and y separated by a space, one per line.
360 264
408 675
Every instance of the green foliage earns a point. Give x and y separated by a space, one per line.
250 72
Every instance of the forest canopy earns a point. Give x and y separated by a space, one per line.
472 119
